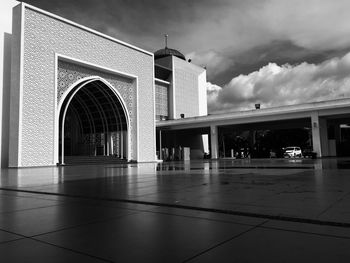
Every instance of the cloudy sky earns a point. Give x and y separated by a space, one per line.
273 52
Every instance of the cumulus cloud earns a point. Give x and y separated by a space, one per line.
275 85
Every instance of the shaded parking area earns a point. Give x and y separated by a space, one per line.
260 140
200 211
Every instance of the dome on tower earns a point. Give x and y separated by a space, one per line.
166 52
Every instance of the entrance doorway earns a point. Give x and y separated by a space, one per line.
93 124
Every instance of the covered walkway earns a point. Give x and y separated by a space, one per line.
326 122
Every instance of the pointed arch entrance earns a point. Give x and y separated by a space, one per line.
93 121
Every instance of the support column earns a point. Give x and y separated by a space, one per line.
214 141
160 145
315 128
109 144
106 144
319 135
324 137
121 144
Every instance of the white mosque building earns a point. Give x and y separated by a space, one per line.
68 91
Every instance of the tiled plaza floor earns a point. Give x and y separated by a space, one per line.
283 210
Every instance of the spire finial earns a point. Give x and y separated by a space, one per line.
166 40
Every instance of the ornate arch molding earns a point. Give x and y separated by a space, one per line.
124 86
67 99
74 88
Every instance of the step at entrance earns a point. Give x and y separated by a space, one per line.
75 160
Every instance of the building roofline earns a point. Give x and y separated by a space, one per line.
25 5
288 109
200 69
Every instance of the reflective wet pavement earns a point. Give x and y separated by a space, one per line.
215 211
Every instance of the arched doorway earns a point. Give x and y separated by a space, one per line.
93 123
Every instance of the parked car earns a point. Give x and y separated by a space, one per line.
292 151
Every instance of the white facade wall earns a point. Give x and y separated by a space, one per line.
5 76
202 94
39 39
190 90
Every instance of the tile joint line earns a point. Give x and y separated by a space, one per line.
188 207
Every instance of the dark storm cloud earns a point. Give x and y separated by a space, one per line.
279 52
228 36
241 43
141 22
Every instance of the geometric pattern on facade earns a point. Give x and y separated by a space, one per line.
162 100
45 35
186 98
69 73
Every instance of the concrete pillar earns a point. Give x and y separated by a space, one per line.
324 137
205 143
125 145
106 144
319 135
315 128
160 145
5 85
121 144
214 141
109 144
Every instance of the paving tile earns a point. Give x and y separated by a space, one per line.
236 219
165 232
146 237
267 245
20 193
15 203
309 228
5 236
339 211
43 220
128 206
27 250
